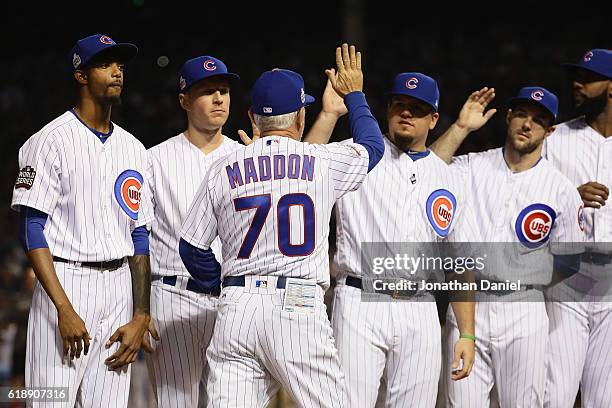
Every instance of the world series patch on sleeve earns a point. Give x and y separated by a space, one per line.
25 178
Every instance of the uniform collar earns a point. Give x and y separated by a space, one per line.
99 135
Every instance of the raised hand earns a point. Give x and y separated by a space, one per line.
349 77
472 115
332 102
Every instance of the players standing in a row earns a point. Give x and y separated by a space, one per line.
78 193
521 199
270 204
581 310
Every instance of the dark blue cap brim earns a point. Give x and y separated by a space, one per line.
514 101
572 67
390 94
309 99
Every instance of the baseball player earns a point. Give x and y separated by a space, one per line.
270 204
522 200
184 312
581 313
390 340
78 192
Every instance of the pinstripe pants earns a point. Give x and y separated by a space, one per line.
257 347
103 299
184 322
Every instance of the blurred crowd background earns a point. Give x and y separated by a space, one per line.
504 49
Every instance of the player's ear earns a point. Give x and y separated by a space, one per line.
80 77
184 101
508 116
434 120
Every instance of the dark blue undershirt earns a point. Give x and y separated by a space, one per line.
364 128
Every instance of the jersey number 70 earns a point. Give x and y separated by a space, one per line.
263 203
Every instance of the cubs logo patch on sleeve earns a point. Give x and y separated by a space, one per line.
440 209
533 225
581 217
25 178
127 192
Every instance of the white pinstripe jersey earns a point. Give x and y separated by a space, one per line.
271 202
90 190
538 207
178 169
390 207
583 155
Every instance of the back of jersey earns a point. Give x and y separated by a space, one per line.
271 202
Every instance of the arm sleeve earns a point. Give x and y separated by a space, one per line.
201 264
31 228
200 226
140 238
38 182
364 127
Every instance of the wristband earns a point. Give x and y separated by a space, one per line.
467 336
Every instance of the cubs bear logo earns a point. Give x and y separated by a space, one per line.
127 192
440 209
534 223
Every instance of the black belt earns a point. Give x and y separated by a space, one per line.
358 283
192 285
114 264
596 258
281 281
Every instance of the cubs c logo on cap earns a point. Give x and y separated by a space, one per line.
411 83
440 209
537 95
105 39
209 65
581 217
587 57
127 192
533 225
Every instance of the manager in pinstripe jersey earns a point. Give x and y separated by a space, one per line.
78 192
270 204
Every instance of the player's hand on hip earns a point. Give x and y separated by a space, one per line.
593 194
130 336
349 77
464 352
75 337
472 115
333 103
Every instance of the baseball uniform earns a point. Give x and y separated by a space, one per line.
534 211
91 192
184 314
581 322
396 342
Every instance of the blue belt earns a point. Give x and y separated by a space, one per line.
281 281
192 285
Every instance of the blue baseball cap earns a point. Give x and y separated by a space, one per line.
87 48
278 92
199 68
539 96
417 85
597 60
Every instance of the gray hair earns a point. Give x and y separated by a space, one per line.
279 122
